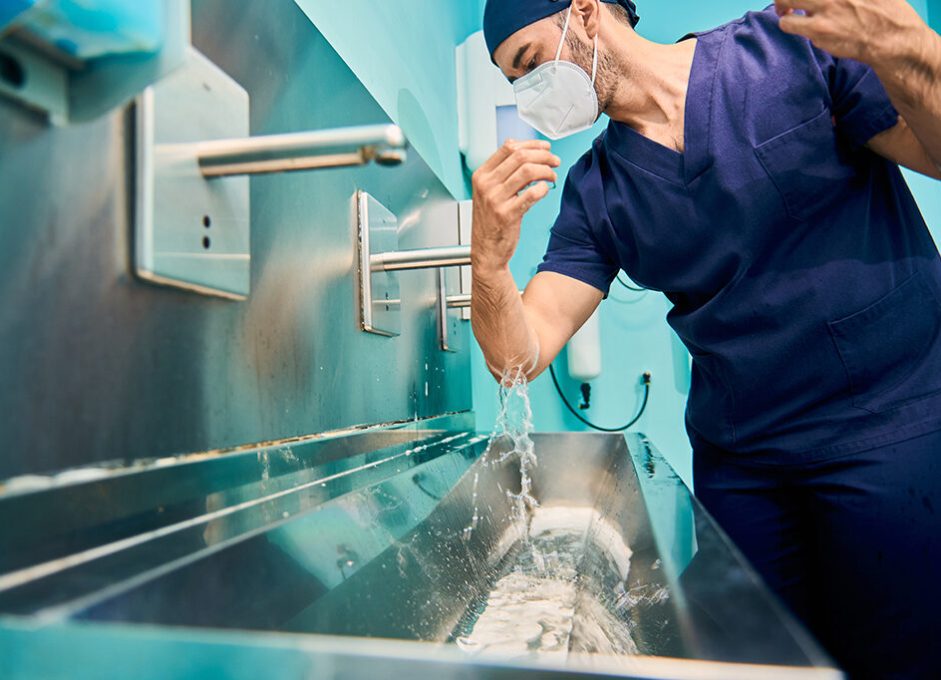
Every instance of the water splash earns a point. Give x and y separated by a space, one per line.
543 602
511 439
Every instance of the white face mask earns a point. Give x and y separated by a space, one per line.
558 99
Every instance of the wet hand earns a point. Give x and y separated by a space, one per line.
511 182
865 30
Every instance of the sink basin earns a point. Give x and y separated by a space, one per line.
360 554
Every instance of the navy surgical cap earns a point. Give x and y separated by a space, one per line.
503 18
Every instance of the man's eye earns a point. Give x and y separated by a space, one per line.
532 64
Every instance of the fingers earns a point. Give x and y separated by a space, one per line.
521 157
508 175
508 148
787 7
531 197
527 174
797 24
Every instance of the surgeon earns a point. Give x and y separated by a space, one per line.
751 174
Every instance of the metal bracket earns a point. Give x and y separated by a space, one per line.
34 80
379 289
380 259
465 220
39 73
192 233
449 324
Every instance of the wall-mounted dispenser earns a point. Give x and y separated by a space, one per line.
380 260
75 60
486 104
584 350
194 155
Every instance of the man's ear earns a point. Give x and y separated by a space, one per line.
589 11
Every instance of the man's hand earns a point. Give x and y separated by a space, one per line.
865 30
502 195
901 49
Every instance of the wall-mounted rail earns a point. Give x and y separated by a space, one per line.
293 152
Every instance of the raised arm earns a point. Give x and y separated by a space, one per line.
902 50
519 333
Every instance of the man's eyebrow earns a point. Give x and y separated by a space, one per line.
519 55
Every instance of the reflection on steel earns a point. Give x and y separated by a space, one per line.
373 535
302 151
423 258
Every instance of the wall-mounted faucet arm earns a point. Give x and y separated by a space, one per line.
290 152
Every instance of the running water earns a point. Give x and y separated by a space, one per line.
544 599
538 599
511 438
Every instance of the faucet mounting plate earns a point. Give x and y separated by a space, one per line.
379 290
191 232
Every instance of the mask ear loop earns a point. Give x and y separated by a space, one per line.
565 30
594 56
594 62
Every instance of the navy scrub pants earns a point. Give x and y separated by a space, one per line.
852 545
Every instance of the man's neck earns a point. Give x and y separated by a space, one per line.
651 94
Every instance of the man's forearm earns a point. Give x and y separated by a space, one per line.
505 187
509 343
908 63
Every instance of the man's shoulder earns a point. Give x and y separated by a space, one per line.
759 31
765 21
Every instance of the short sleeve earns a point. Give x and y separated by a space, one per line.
573 249
861 107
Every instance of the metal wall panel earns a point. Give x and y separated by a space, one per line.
96 365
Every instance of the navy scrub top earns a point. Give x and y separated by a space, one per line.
803 278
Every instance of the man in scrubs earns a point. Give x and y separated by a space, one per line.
751 173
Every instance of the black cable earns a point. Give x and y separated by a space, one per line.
643 406
629 287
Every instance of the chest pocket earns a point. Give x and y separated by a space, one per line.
807 166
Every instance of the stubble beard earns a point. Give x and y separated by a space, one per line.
609 70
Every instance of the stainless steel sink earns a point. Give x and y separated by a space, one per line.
365 545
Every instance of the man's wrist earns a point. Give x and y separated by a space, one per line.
488 268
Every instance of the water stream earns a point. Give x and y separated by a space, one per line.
539 601
511 439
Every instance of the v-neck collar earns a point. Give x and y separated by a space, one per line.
663 161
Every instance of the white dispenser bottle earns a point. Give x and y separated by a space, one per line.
584 350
